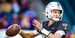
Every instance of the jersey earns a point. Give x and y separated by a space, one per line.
58 25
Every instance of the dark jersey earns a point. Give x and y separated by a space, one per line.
58 25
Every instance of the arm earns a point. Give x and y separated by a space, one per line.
26 34
29 34
57 34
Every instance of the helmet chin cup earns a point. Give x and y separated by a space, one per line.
55 19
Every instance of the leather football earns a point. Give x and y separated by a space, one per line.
13 30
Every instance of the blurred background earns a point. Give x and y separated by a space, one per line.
23 12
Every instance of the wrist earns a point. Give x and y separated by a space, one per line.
40 29
45 32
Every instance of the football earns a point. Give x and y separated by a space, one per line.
13 30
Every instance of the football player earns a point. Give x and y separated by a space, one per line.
55 27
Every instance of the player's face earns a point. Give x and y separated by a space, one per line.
56 13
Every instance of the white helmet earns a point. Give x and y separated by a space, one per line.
53 6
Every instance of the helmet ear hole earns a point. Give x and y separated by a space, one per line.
51 11
47 15
60 18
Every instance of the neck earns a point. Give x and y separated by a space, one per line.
50 22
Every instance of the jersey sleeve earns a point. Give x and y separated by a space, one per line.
63 26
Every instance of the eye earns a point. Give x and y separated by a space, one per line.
55 12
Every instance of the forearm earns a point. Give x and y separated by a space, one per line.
27 35
23 34
56 35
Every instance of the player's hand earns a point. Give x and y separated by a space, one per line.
13 30
37 25
19 26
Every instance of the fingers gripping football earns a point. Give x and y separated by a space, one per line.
13 30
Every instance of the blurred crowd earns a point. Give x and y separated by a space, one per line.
71 33
16 12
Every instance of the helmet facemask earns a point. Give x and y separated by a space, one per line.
56 15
